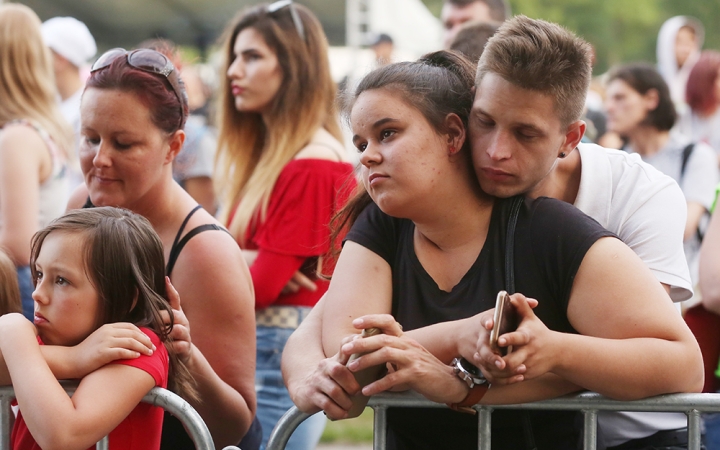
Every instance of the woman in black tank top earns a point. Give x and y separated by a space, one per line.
132 120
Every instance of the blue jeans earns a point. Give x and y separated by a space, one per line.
26 290
273 399
712 431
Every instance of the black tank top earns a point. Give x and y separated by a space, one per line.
178 243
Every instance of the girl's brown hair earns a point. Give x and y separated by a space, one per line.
124 261
252 152
9 289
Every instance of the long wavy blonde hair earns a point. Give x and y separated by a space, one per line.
252 152
27 82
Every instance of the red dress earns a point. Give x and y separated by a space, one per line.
141 429
306 196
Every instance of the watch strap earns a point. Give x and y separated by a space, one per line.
473 397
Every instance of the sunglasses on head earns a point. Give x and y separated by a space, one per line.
146 60
277 6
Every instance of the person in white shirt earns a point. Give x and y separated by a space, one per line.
71 45
639 108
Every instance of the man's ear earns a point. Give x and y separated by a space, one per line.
573 135
175 144
455 131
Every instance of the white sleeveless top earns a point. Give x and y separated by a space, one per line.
54 190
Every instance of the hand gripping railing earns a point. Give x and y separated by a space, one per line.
160 397
589 403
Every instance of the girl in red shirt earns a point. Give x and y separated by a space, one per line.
90 267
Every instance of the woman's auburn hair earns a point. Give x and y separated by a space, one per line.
124 261
700 91
27 80
252 152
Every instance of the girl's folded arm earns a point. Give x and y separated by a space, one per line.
91 413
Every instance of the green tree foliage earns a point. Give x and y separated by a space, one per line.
620 30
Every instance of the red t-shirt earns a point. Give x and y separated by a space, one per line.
305 197
142 428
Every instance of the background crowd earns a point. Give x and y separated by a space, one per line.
241 166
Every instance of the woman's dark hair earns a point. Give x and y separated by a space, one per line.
124 261
643 77
700 90
437 84
154 91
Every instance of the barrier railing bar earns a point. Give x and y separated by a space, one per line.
103 444
484 427
693 429
380 428
588 402
5 412
157 396
589 429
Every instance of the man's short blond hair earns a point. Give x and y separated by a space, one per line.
541 56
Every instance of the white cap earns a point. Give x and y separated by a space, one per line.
69 38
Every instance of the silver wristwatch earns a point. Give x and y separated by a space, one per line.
468 373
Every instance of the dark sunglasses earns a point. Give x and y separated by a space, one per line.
146 60
277 6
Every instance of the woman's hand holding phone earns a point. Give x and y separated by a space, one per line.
499 336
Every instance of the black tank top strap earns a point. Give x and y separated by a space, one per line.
182 228
179 243
88 204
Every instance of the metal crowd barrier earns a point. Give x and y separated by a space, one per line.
589 403
163 398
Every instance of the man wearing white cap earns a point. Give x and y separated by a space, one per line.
72 46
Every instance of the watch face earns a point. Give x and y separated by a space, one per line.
472 370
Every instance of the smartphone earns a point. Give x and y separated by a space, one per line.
504 321
364 377
367 332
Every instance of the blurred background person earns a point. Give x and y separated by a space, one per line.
383 48
71 45
471 38
710 286
639 108
34 141
281 169
702 120
454 13
193 167
678 47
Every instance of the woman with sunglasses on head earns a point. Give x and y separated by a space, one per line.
282 174
34 141
132 115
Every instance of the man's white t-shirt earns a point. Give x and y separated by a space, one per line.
644 207
647 210
697 183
